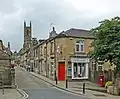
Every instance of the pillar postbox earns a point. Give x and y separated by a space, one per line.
101 80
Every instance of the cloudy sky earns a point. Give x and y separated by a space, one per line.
64 14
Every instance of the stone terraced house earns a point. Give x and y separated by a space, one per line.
64 54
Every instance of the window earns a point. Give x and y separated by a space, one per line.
69 71
45 54
99 68
51 49
75 69
27 32
80 46
51 69
41 51
79 70
77 47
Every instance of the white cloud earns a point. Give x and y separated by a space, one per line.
95 8
63 13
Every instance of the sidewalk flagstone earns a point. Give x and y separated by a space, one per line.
10 94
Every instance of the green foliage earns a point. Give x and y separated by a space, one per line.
107 41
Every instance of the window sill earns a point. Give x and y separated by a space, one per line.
80 53
79 77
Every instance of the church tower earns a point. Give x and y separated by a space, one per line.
27 35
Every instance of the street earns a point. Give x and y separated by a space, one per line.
38 89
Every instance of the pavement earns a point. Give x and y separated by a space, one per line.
37 88
76 88
11 94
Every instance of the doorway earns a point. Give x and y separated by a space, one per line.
61 71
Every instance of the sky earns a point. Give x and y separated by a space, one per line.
64 14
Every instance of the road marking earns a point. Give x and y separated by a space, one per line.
25 95
55 87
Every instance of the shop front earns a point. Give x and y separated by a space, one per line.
80 68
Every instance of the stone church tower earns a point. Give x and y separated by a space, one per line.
27 35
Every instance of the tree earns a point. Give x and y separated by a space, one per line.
107 42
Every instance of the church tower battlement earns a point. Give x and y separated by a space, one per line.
27 35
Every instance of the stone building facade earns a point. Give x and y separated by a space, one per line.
7 74
65 55
26 54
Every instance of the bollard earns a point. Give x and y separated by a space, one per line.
2 86
66 83
3 90
83 88
56 79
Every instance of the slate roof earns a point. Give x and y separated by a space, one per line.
78 33
71 32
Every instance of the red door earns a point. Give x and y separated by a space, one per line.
61 71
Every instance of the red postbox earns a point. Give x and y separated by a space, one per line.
101 80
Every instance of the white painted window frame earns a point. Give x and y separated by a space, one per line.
81 42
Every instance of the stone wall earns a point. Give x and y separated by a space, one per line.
4 62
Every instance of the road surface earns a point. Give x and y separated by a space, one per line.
38 89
